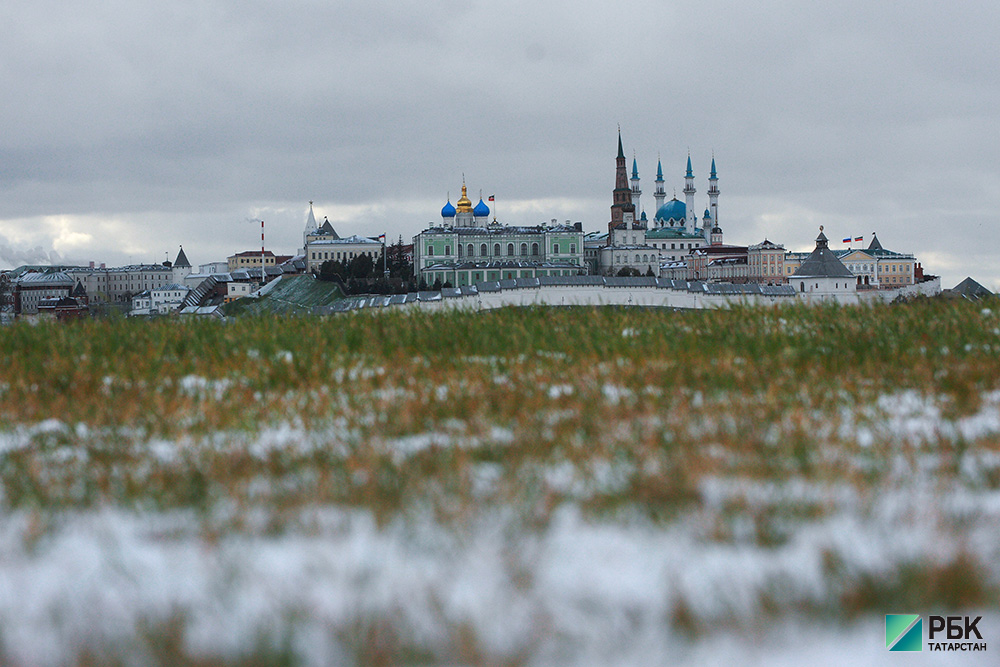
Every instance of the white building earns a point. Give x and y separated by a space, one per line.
323 244
167 298
823 277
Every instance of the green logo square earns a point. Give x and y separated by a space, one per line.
904 632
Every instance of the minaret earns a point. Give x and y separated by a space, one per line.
692 217
713 193
636 192
659 194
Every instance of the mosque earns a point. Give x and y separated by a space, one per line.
674 233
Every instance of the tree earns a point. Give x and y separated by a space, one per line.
628 271
649 273
437 285
361 267
333 271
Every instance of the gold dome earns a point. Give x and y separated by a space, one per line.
463 205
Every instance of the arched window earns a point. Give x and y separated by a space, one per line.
496 249
470 251
534 248
637 260
483 251
510 249
802 287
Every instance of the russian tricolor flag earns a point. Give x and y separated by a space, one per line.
847 240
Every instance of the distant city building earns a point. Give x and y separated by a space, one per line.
822 276
872 267
766 263
181 267
323 244
250 259
467 248
31 289
661 247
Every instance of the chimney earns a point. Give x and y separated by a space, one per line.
91 264
578 226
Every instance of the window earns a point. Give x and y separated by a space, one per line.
555 248
430 251
471 250
572 248
459 249
483 251
447 250
534 248
524 249
510 249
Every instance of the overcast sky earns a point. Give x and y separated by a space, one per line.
131 128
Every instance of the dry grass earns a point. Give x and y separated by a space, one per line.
631 415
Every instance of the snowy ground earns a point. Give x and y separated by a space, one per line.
523 487
794 575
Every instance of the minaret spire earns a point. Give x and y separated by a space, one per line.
636 192
659 194
692 216
713 192
622 209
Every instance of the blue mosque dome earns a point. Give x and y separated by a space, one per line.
481 210
448 211
672 210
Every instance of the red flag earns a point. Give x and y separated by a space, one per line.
491 198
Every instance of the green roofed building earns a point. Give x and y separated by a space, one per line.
468 248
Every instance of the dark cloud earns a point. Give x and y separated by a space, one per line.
859 114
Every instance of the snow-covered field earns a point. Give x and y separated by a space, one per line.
333 585
504 509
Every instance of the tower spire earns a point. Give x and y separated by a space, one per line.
636 192
713 192
621 207
659 193
689 191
